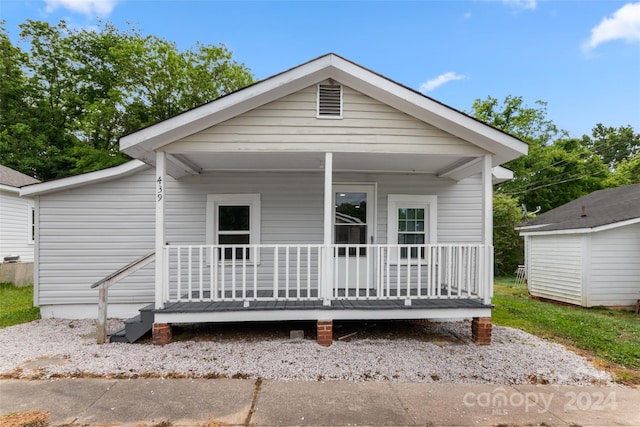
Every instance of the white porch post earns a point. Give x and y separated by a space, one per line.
161 172
327 282
487 230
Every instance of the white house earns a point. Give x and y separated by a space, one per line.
325 192
587 251
17 230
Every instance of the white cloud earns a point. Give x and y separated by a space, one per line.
624 24
440 80
90 8
521 4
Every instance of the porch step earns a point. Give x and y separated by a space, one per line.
136 327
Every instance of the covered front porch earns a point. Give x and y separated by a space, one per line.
357 271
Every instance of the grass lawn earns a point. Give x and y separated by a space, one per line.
611 336
16 305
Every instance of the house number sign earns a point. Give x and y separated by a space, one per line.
160 189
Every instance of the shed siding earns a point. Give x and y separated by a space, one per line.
555 267
615 267
89 232
15 230
292 120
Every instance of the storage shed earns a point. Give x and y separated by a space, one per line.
587 252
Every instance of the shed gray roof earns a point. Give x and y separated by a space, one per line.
601 207
13 178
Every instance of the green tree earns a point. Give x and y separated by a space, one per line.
514 117
613 145
627 172
557 169
507 243
77 91
22 142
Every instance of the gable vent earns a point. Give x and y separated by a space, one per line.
330 100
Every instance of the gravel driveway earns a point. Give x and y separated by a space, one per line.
432 352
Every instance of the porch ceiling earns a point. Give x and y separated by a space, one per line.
313 161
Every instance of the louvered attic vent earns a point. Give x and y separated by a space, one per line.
330 100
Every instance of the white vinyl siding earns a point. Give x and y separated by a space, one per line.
291 123
15 226
89 232
555 267
615 267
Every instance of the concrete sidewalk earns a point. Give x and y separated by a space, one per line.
195 402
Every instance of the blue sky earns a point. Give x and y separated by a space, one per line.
581 57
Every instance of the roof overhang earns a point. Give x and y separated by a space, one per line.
125 169
9 189
143 144
540 231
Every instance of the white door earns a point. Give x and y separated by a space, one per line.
353 226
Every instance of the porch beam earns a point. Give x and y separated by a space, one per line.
465 167
160 196
185 166
327 277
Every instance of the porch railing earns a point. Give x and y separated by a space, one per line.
301 272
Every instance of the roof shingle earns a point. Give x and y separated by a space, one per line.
13 178
599 208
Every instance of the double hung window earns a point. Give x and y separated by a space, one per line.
234 220
412 222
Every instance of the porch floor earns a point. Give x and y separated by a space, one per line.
336 304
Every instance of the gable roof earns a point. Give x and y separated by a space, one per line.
604 208
143 143
12 178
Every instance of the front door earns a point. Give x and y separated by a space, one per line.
353 227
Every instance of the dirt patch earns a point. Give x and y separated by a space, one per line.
25 419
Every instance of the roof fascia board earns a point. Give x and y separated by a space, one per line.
583 230
84 179
9 188
556 232
531 227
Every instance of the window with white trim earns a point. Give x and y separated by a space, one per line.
412 220
234 220
32 224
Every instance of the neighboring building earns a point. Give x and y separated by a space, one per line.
325 192
587 252
17 231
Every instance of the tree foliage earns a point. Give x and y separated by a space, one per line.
73 93
612 145
557 169
508 246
